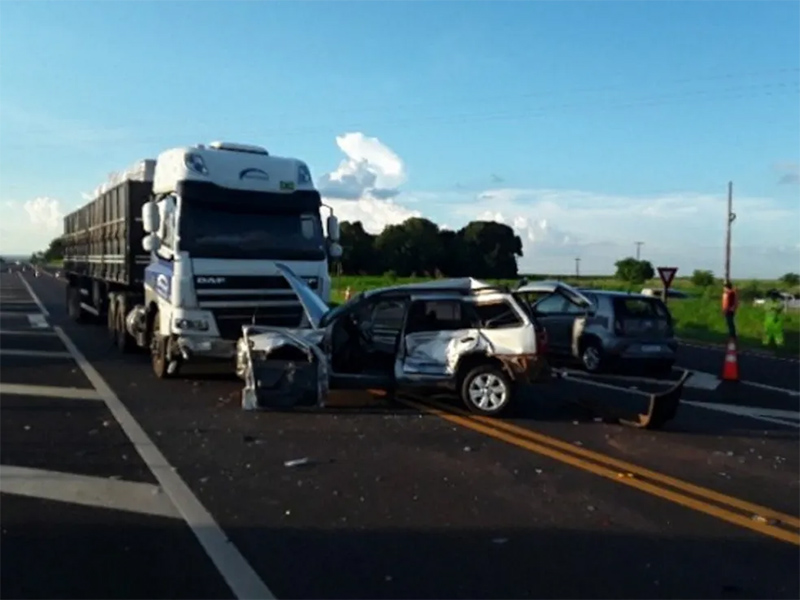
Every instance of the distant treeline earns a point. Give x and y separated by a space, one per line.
417 247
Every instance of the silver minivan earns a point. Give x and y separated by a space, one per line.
618 329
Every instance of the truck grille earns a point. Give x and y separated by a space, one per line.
230 320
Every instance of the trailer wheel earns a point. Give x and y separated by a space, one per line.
74 309
158 350
111 317
123 340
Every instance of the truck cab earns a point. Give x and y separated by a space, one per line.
220 217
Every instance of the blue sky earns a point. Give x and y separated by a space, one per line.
585 125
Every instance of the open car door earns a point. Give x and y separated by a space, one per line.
554 287
354 319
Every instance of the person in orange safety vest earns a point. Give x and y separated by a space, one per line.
730 302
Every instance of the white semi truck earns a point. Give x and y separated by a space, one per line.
177 253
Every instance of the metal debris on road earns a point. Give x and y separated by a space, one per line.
297 462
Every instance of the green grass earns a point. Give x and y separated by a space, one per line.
697 318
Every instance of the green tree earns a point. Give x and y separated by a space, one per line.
703 278
634 271
791 279
492 249
358 253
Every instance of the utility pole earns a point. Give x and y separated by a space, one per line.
577 267
731 217
638 249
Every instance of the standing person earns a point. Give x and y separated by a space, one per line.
730 302
773 319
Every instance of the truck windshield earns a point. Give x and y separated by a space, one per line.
212 233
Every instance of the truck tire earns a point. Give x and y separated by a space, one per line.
74 310
487 390
111 317
123 340
158 351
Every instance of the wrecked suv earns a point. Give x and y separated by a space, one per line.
472 338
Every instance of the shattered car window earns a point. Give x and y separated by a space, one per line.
497 315
439 315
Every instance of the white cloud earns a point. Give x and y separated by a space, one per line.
370 168
684 229
44 213
361 188
29 226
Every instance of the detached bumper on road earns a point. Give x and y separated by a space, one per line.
634 401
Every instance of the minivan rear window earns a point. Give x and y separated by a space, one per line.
640 308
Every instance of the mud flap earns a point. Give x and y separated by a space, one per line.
634 401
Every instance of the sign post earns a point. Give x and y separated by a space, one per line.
667 275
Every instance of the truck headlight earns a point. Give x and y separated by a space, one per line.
191 324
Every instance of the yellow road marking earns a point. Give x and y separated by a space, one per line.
617 470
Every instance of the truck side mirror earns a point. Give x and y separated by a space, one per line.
150 217
335 250
151 243
333 228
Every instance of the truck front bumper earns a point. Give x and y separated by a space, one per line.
196 346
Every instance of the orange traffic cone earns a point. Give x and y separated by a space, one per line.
730 368
347 294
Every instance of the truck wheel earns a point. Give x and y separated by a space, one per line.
111 317
158 351
123 340
74 309
487 390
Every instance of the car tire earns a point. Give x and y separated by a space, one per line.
487 390
592 356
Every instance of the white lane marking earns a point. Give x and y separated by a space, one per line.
35 353
16 313
130 496
233 567
38 302
38 321
768 415
772 388
703 381
13 332
19 389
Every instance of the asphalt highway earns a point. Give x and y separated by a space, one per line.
117 485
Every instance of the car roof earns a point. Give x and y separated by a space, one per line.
463 285
619 294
